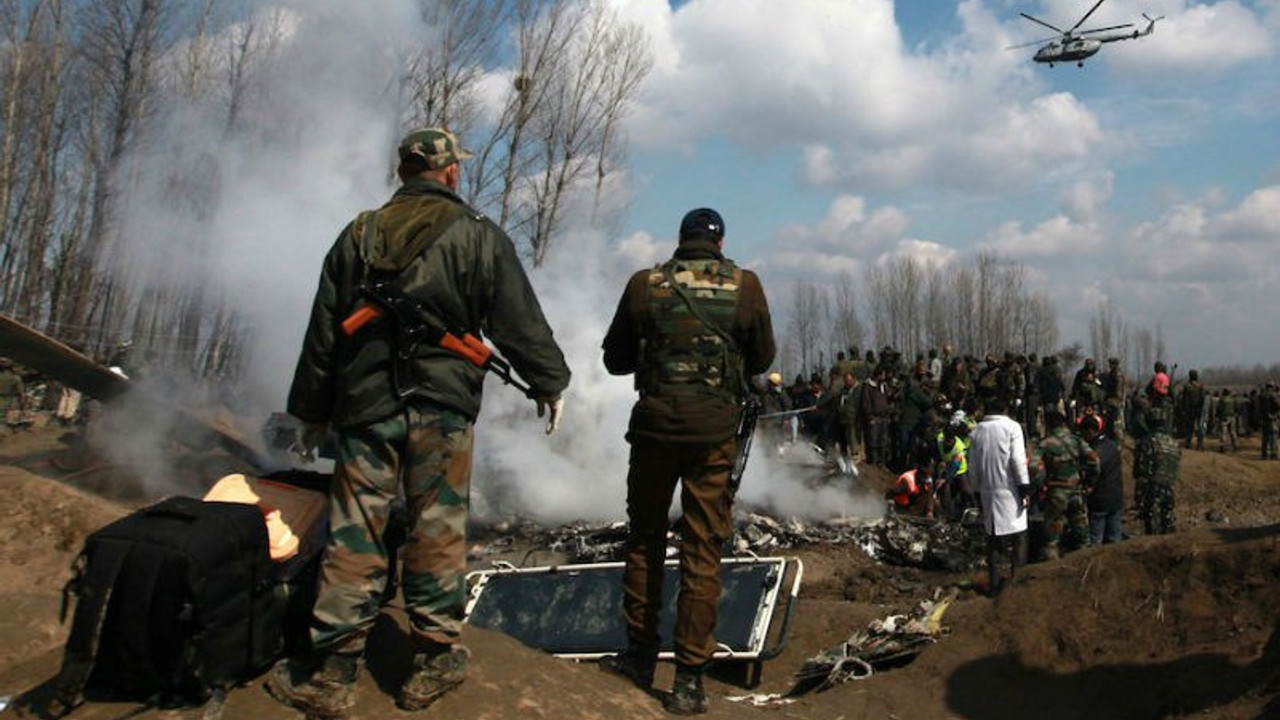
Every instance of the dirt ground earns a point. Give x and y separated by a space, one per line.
1178 626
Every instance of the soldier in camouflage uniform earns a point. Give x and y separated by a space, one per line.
1226 421
1152 483
1191 409
1115 387
13 398
1269 419
1155 469
691 330
1062 463
403 413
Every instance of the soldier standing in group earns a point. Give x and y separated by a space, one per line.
1087 374
692 330
13 398
1115 387
1051 387
1226 421
403 412
1155 467
1269 418
1191 408
1062 462
1155 459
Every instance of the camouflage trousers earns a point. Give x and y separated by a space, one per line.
426 453
1227 435
703 474
1064 511
1269 427
1155 507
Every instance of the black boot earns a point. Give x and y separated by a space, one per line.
687 696
436 671
323 689
635 664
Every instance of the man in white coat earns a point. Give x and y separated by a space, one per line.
998 465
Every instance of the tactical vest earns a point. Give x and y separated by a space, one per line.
687 348
1161 413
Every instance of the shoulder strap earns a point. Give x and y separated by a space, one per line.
694 309
376 258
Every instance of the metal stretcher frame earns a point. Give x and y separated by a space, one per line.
575 611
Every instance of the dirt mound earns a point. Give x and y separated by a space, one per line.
1161 627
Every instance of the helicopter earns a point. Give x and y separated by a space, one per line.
1077 45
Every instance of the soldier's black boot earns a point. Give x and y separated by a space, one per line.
436 671
687 696
635 664
323 689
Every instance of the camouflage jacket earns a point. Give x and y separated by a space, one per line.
700 418
1156 458
1063 460
463 268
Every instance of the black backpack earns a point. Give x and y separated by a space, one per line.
173 602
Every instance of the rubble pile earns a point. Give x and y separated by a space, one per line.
893 539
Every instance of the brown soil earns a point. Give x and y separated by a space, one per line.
1159 627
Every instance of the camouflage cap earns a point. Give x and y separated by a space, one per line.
437 146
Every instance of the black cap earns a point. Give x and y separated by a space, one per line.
703 222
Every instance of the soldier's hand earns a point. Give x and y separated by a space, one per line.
556 406
312 439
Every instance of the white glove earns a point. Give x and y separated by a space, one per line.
556 405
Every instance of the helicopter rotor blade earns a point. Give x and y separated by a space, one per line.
1086 16
1029 44
1038 20
1104 29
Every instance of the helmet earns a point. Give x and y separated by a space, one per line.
700 222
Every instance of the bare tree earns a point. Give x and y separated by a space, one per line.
963 293
806 328
933 307
604 66
1104 331
442 77
846 328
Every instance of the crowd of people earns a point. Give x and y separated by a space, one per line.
924 420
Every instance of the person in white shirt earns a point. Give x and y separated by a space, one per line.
998 466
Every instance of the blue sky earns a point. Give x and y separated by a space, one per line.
834 134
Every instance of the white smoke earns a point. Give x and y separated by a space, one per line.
313 149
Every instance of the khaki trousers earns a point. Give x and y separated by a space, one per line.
703 473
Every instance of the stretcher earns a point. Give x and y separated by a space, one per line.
575 611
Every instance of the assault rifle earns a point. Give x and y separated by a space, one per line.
746 431
417 325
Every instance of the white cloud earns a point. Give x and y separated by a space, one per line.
835 78
848 227
1255 221
1082 200
1057 239
1195 38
